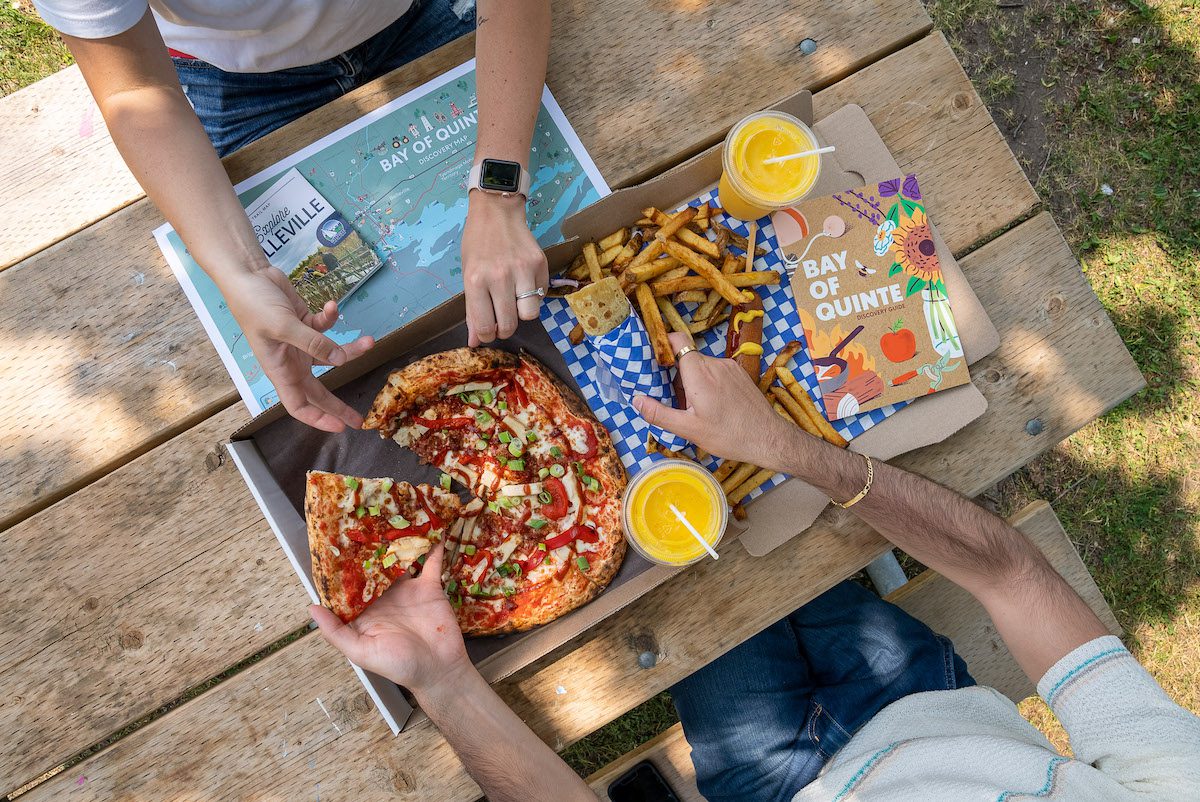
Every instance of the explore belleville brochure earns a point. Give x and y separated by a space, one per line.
305 237
392 192
871 297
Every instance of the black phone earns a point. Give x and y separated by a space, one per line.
642 783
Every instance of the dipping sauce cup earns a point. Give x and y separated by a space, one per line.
653 529
751 189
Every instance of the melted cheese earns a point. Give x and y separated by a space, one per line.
465 473
577 437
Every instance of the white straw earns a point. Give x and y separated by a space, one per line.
699 537
800 155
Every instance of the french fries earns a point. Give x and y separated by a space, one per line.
676 222
738 240
699 326
724 469
655 447
691 296
652 317
707 270
739 475
802 398
756 279
672 316
756 480
608 256
618 237
795 412
701 219
593 261
650 269
647 255
627 253
784 357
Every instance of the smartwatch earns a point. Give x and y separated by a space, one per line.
499 176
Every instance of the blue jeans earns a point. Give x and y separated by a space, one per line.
763 719
237 108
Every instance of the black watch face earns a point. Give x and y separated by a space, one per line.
500 176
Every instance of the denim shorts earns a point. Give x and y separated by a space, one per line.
764 718
237 108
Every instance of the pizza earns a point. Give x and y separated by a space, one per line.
542 534
364 534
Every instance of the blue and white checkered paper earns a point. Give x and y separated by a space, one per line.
781 325
629 356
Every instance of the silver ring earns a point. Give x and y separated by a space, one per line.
687 349
540 292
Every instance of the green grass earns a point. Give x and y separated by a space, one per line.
29 50
1085 107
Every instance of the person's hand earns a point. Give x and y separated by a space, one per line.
409 634
500 259
287 339
726 414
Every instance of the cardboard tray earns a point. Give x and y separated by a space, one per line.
273 451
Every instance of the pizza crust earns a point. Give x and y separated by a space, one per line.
425 379
322 513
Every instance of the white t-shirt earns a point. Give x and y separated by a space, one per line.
235 35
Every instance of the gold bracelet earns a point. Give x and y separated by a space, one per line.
866 488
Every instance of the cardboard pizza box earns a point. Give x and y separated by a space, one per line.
273 452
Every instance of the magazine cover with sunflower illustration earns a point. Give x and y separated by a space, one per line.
872 300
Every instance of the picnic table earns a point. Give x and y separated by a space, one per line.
138 567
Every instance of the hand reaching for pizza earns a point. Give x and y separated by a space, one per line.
288 340
726 414
408 634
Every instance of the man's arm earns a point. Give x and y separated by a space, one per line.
1038 614
166 149
500 256
410 636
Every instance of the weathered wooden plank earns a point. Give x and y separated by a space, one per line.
676 62
106 344
1046 312
948 610
61 171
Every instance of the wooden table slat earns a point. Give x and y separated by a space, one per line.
261 735
120 362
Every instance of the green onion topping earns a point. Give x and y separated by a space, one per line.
536 523
505 437
399 522
473 398
582 563
488 396
555 452
531 436
545 496
503 405
360 512
543 473
493 506
386 485
483 419
452 586
351 483
557 470
474 589
444 481
469 550
516 464
374 509
515 449
389 560
421 560
541 547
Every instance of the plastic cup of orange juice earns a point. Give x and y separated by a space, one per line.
653 529
749 188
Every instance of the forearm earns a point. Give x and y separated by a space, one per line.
165 147
499 751
962 541
511 45
168 152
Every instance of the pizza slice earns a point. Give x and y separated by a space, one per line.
364 534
